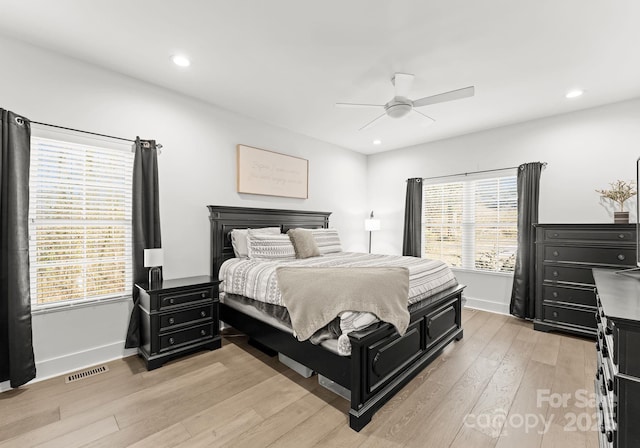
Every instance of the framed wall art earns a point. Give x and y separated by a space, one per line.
271 173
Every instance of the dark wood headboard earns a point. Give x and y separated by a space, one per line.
224 219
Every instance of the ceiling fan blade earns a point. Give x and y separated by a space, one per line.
371 122
358 105
403 82
425 116
465 92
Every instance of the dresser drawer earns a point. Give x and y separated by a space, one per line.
169 300
566 274
568 294
174 339
177 318
568 315
589 235
589 255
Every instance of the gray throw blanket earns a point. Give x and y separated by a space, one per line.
315 296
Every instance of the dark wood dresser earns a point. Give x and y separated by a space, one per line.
618 348
564 285
178 317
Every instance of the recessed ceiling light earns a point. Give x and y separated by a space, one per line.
181 61
574 93
377 142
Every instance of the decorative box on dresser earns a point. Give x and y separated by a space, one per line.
178 317
618 349
564 285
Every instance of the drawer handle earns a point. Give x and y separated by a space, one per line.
203 295
554 294
621 257
203 314
171 341
555 253
203 332
172 301
555 235
621 236
172 321
555 314
555 273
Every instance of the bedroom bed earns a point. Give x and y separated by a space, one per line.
381 361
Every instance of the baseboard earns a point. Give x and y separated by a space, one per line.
487 305
50 368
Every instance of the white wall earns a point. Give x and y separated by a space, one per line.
196 168
585 151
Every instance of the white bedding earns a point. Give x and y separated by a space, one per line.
256 279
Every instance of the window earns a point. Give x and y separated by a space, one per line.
79 222
472 224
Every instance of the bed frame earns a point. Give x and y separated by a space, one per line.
381 361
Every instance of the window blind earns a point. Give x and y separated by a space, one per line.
79 221
472 224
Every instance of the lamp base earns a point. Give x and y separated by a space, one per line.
155 277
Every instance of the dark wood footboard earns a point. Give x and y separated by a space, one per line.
382 361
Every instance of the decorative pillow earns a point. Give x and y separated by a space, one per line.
239 239
327 240
303 243
270 247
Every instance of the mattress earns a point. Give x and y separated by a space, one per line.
257 280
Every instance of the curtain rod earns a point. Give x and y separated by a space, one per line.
158 145
477 172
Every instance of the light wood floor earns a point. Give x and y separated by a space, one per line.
478 393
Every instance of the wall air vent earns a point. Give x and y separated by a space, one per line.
86 374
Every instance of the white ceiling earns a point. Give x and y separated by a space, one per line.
286 62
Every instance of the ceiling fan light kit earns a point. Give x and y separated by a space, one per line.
400 105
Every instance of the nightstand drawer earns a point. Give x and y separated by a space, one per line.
568 294
590 235
188 336
589 255
568 315
185 297
568 274
186 317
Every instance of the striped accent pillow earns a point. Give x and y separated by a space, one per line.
239 239
327 240
270 247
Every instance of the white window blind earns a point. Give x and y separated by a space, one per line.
472 224
79 222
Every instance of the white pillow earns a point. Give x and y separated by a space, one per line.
270 247
239 239
327 240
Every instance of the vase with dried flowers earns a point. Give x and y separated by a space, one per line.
619 193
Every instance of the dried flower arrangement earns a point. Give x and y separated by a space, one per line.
619 192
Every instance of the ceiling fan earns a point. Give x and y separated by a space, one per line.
400 105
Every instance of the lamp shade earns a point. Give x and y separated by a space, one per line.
153 257
371 224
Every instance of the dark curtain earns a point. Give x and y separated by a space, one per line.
522 295
16 349
412 238
146 223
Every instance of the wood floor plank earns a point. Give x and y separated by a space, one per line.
82 436
222 430
499 394
167 438
520 429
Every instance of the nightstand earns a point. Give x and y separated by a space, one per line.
178 317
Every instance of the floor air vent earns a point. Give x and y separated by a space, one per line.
86 374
